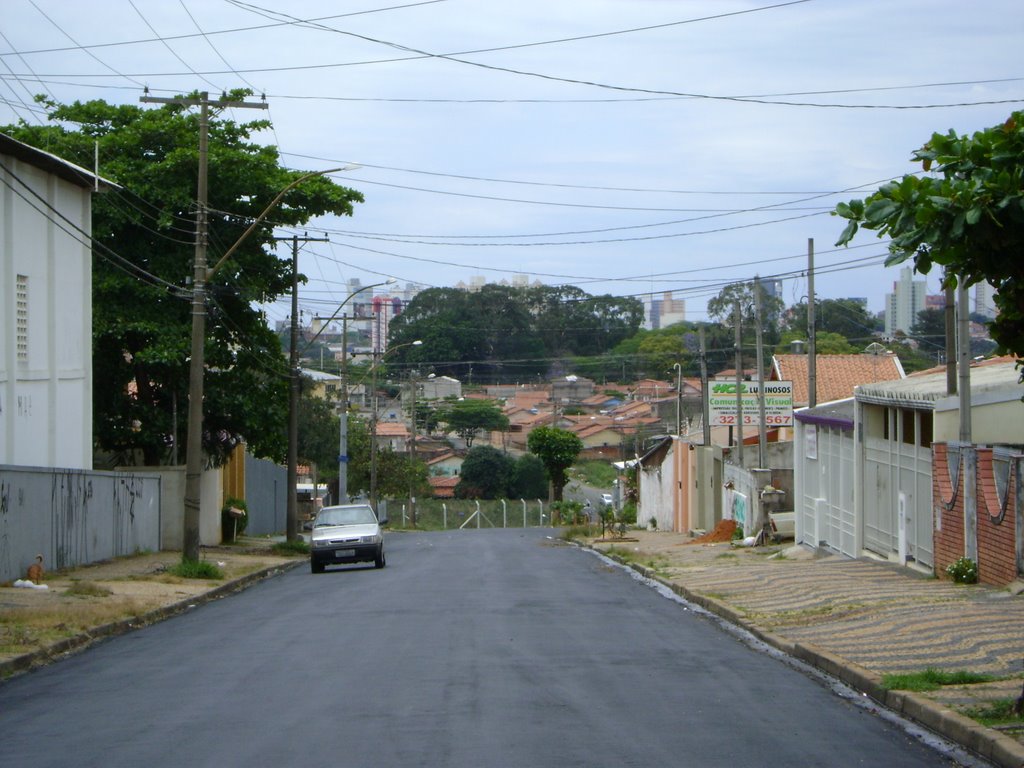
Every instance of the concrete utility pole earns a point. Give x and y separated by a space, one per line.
762 433
200 275
705 404
739 383
292 506
812 344
679 398
964 359
950 294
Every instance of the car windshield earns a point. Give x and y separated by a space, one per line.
345 516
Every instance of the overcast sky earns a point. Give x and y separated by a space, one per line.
624 146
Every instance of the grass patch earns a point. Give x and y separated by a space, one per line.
577 532
87 589
932 679
23 630
196 569
290 548
727 556
996 713
599 474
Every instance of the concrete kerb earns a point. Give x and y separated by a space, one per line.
29 661
987 743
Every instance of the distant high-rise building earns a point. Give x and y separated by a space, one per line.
662 311
984 300
904 303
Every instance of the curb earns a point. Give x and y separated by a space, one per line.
985 742
64 648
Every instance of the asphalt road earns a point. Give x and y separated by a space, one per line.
472 648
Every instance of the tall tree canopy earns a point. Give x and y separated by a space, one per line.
144 235
966 215
501 333
557 449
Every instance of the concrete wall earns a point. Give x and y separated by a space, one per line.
74 517
657 486
172 506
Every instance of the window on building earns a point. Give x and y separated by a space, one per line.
21 301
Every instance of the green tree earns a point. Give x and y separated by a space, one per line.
318 434
929 330
485 474
847 317
399 473
529 479
557 449
722 308
467 417
142 263
825 343
966 215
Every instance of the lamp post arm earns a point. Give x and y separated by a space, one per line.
266 211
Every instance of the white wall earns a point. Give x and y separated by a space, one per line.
45 393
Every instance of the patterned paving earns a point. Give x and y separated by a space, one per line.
880 616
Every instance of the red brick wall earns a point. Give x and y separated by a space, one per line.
996 528
948 536
997 557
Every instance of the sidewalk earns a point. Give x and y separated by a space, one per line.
857 620
83 605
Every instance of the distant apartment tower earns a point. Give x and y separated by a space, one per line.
664 311
984 300
904 303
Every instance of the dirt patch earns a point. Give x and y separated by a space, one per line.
77 600
722 532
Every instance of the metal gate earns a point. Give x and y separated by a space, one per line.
898 489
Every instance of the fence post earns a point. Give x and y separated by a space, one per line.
524 512
541 503
444 515
478 515
504 514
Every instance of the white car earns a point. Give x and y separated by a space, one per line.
606 500
348 533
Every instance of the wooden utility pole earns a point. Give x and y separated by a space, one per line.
200 275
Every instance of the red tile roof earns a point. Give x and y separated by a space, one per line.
836 375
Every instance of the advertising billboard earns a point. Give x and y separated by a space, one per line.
778 403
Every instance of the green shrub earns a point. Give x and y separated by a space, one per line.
290 548
197 569
963 570
628 513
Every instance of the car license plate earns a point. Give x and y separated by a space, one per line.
344 552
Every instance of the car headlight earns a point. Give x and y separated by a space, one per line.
370 539
318 543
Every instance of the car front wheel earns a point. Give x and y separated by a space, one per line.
379 561
315 566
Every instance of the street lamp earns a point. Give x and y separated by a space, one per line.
292 518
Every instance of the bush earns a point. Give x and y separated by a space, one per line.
197 569
232 525
963 570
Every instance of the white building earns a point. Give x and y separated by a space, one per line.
984 300
46 309
904 303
